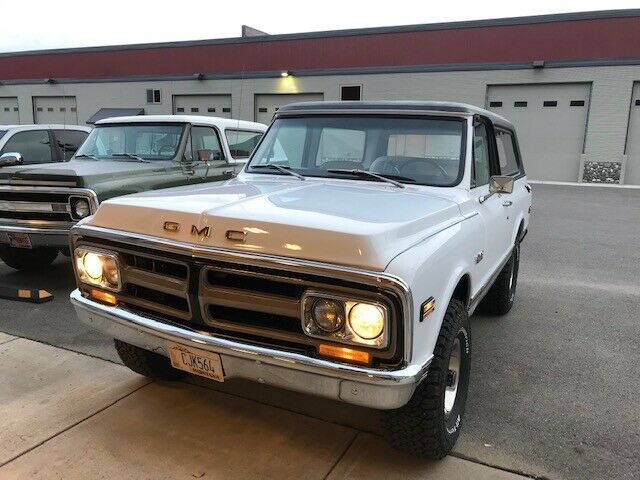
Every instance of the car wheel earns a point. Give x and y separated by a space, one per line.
429 424
501 296
28 259
149 364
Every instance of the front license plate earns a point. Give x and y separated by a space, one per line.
196 361
19 240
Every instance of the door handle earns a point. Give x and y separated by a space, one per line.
507 203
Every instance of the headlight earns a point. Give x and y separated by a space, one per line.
345 320
98 268
80 207
366 320
328 314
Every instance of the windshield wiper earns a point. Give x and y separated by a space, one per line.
280 168
84 155
131 156
366 173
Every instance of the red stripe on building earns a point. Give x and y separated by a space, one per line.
601 39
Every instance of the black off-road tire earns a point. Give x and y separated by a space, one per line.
500 297
28 260
149 364
422 427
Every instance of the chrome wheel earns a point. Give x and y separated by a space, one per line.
453 377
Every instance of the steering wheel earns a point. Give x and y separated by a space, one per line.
428 160
163 147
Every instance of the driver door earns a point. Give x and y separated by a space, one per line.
204 158
494 215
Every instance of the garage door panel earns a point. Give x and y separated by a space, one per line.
9 112
632 170
207 105
266 105
550 121
61 110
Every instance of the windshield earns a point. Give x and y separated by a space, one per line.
425 151
146 141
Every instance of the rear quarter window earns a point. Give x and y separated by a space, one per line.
507 155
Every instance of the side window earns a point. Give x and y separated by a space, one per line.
507 153
69 141
34 146
480 168
241 142
340 145
205 138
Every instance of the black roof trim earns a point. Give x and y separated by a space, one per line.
394 106
495 22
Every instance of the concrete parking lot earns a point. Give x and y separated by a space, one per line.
554 388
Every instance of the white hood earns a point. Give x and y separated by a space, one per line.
352 223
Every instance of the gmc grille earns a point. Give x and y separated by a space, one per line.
255 304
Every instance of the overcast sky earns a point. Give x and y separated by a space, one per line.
42 24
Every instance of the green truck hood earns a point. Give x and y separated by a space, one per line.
106 177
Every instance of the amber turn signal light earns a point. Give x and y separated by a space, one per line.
427 307
347 354
104 297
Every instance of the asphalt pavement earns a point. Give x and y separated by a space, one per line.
555 384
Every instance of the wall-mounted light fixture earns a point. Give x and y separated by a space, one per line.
198 76
538 64
285 73
50 81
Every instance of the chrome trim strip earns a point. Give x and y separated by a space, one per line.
53 230
37 182
379 279
34 207
411 374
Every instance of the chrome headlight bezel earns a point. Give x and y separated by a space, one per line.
107 258
73 201
345 334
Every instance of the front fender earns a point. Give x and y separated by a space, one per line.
433 268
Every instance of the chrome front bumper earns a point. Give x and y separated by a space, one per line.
380 389
40 236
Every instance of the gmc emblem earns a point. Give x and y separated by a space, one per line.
204 232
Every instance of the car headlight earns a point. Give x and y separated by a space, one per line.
80 207
366 320
345 320
98 268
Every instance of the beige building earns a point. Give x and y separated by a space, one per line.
570 83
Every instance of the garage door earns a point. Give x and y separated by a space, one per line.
632 171
267 105
209 105
550 121
9 113
55 110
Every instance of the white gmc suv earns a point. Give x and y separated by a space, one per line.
343 261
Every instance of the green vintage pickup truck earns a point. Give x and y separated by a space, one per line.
39 204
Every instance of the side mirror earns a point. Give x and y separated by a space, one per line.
205 155
500 184
10 159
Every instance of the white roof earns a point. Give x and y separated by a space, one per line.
44 126
194 119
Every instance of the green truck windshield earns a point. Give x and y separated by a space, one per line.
149 142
